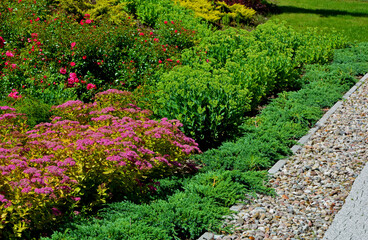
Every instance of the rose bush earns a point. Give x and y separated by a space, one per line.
52 44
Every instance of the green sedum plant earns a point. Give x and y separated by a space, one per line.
210 105
231 72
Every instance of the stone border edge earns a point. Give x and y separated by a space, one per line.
296 148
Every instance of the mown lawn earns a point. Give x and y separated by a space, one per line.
349 17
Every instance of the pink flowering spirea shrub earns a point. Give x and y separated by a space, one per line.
104 151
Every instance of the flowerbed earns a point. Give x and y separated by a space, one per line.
101 148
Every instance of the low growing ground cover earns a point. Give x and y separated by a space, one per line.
178 86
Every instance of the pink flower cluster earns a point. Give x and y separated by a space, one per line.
113 92
86 20
14 94
4 108
68 104
3 199
9 54
91 86
63 71
72 79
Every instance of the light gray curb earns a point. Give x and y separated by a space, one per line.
295 149
278 165
207 236
351 221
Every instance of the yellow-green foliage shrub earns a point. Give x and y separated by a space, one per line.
112 9
214 12
235 12
203 9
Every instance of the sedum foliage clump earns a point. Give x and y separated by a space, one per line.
208 103
228 74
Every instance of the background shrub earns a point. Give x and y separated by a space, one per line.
110 9
258 5
216 11
154 13
62 56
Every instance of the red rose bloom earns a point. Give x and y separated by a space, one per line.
1 42
91 86
63 71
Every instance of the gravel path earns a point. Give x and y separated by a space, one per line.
313 184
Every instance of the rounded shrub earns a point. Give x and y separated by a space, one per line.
210 105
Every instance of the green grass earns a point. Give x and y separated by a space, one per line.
347 16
